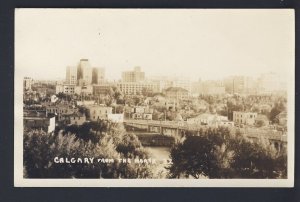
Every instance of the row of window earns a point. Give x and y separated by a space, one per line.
241 116
57 110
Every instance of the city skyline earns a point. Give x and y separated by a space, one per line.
171 43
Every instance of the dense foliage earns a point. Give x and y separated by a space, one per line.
102 140
216 153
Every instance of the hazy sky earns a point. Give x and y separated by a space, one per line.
206 44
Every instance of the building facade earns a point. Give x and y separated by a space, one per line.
27 83
97 112
101 89
116 118
84 73
246 118
133 76
71 75
37 120
210 120
98 75
84 90
66 88
135 88
176 93
60 111
141 112
76 119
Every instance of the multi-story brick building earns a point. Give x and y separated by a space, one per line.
246 118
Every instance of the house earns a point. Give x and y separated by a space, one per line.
141 112
66 88
38 120
246 118
97 112
76 118
60 110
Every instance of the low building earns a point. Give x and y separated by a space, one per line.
246 118
37 120
210 120
224 123
84 90
116 118
66 89
85 102
135 88
141 112
76 119
97 112
60 110
176 93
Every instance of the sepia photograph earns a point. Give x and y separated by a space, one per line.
154 97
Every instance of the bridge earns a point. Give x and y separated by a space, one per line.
178 129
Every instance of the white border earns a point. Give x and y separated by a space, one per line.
19 181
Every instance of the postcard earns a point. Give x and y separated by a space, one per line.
154 97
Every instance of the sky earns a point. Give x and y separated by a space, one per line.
190 43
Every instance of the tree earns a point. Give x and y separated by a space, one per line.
100 140
260 123
40 149
216 153
128 145
277 109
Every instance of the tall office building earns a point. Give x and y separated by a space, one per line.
133 76
71 75
27 82
240 85
84 72
98 75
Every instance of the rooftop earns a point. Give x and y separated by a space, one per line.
176 89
